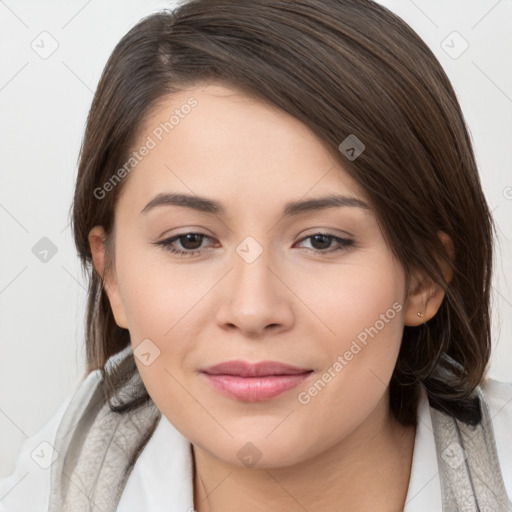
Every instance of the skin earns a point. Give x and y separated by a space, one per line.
293 304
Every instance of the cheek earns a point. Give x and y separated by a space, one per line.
166 310
161 297
353 299
361 321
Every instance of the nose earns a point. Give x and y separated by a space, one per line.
256 299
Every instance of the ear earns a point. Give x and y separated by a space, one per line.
97 244
425 296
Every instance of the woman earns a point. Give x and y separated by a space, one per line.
291 259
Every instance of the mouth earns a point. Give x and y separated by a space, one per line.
262 369
250 382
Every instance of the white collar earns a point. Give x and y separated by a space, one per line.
424 493
162 478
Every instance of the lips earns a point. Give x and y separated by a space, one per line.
252 382
261 369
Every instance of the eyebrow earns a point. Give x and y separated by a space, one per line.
204 204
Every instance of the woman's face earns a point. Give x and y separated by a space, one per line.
254 283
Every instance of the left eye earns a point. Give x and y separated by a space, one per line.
191 243
323 239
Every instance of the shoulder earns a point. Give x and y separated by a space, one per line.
497 390
498 396
27 488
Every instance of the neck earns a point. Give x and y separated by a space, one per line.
371 465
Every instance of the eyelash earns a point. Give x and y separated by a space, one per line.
345 243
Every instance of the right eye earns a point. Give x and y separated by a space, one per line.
190 243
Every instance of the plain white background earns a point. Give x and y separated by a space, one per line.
44 100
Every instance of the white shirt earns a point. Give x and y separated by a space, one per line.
162 479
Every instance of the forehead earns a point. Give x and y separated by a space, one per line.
215 140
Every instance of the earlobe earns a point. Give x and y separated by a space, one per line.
425 295
423 303
97 239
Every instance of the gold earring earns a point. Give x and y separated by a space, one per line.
421 315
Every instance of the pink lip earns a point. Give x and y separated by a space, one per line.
254 382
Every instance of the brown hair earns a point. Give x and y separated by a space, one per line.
341 67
